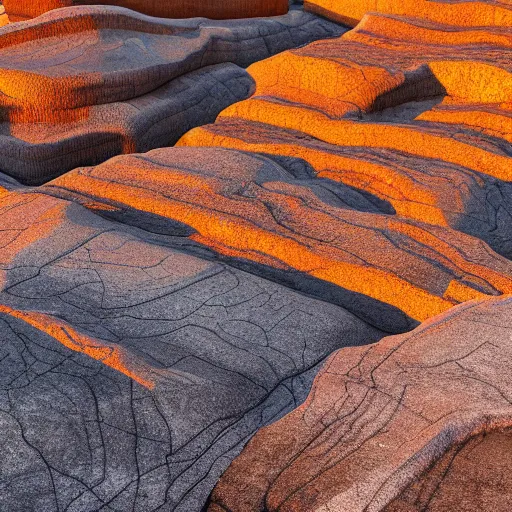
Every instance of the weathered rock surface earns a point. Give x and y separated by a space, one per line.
83 84
378 417
131 373
26 9
387 269
415 113
37 152
476 475
147 311
458 12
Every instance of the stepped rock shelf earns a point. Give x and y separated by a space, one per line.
80 85
305 305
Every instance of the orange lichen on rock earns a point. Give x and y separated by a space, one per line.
280 222
460 13
25 9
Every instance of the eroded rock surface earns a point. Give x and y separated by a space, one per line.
82 84
132 373
26 9
322 237
414 112
147 307
378 417
457 13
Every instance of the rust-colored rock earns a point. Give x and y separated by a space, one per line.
25 9
132 372
379 417
414 112
4 20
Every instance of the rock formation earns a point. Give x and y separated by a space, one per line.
380 417
25 9
458 13
131 373
161 308
314 234
84 84
414 112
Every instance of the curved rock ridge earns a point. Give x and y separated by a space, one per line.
131 373
473 476
378 417
25 9
320 236
82 84
417 113
453 12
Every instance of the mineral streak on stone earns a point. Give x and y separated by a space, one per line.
82 84
380 417
132 373
25 9
247 207
414 112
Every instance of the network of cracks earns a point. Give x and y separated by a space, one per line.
256 264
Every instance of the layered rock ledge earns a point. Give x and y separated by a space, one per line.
227 9
82 84
159 308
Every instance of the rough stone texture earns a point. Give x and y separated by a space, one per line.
322 237
378 417
131 373
456 12
26 9
83 84
37 152
416 113
476 475
143 317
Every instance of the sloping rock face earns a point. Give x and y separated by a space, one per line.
131 373
158 309
83 84
25 9
378 417
319 237
417 113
